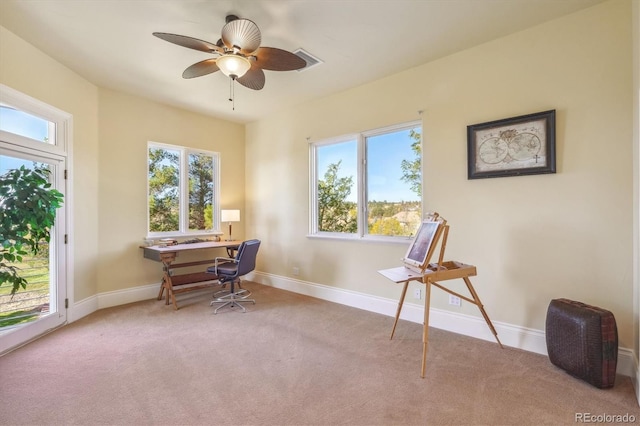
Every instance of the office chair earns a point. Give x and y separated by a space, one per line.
229 270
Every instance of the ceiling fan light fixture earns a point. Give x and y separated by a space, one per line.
238 54
232 65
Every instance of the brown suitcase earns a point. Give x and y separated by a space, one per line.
583 341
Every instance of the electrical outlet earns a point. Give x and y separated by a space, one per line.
295 271
417 293
454 300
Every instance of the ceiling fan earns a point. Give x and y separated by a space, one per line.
237 54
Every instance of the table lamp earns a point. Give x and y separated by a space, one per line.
230 216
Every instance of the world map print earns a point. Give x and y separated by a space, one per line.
516 146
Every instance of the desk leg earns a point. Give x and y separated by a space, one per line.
425 329
400 302
467 281
167 283
161 289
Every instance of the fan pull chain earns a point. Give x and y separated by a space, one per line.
232 93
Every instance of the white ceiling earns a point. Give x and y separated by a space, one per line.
109 42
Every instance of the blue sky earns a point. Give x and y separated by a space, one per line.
23 124
385 154
7 163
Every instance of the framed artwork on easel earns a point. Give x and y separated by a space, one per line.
417 255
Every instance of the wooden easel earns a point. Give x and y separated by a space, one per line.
432 274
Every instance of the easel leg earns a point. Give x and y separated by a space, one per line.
481 307
425 329
400 302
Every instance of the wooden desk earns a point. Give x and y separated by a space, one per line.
174 284
434 273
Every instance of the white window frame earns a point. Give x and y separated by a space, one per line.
59 121
361 183
183 230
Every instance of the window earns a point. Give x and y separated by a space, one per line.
22 123
29 123
183 188
368 185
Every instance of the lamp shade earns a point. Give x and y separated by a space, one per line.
232 65
230 215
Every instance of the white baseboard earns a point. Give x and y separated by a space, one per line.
112 298
514 336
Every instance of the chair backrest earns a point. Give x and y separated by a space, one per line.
246 257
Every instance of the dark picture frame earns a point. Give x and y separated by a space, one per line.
516 146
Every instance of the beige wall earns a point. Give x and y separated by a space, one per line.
533 238
127 123
28 70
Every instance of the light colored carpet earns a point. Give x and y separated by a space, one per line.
290 360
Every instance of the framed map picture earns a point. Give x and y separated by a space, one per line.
524 145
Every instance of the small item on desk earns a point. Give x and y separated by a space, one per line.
193 241
148 242
165 242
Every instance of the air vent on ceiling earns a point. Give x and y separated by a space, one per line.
311 60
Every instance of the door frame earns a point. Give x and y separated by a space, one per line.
60 154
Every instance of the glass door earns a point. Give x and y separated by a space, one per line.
40 306
34 135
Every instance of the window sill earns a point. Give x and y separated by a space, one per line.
183 235
359 239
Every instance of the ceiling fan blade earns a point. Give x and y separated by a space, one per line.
253 79
243 34
201 68
274 59
190 42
